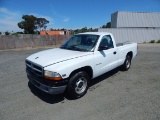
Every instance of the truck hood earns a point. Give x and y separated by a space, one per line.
56 55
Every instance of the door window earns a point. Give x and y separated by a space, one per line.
107 41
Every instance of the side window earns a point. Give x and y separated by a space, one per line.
107 41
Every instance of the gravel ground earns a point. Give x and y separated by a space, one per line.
117 95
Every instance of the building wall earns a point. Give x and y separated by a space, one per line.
114 20
138 35
135 20
56 32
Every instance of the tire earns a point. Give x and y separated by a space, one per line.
127 63
78 85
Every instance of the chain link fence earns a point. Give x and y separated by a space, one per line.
27 40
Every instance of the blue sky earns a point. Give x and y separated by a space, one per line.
70 14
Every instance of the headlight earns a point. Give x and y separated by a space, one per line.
52 75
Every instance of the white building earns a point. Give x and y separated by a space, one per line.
134 26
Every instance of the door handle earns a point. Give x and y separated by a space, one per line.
114 52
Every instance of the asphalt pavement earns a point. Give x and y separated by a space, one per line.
117 95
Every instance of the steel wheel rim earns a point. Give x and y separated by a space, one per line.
127 63
81 85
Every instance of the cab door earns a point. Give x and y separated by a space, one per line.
106 56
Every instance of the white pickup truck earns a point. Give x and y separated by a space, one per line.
83 57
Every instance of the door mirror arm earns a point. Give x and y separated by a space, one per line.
103 48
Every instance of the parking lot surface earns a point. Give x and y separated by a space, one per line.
117 95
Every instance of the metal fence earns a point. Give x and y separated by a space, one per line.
27 40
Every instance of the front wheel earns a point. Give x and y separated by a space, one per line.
78 85
127 63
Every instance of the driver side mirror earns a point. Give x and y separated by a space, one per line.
102 48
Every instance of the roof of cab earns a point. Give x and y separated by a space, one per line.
96 33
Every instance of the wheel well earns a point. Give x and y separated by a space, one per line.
86 69
130 54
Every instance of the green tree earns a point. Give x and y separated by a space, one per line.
103 26
90 30
17 33
0 33
29 24
108 25
32 23
6 33
84 30
41 23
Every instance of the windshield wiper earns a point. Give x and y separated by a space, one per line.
78 49
74 48
62 47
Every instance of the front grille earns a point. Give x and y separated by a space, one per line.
34 68
35 72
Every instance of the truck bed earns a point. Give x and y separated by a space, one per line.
124 43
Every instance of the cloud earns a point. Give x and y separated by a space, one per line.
9 20
66 20
59 16
6 11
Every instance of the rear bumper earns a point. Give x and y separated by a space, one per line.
45 88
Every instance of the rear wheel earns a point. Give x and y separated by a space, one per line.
127 63
78 85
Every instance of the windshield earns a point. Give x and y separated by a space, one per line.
83 42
